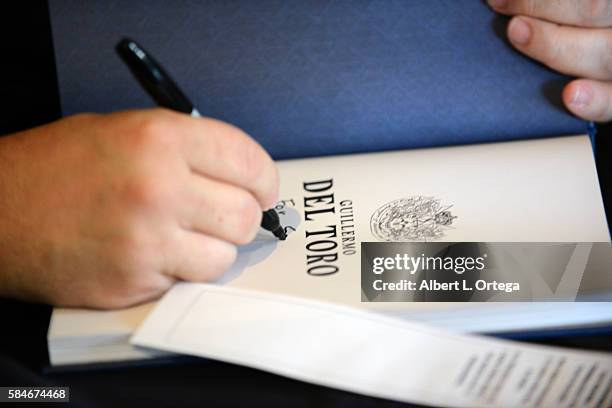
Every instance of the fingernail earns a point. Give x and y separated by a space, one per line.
497 4
519 31
581 98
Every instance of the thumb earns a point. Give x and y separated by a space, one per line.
589 99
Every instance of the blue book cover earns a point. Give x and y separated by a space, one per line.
311 78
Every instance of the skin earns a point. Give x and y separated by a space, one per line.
107 211
570 36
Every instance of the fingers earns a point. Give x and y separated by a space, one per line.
225 153
590 100
200 258
570 50
221 210
584 13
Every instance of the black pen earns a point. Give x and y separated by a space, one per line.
160 86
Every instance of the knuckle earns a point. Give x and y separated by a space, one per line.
144 192
248 217
153 130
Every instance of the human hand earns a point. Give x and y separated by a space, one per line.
107 211
573 37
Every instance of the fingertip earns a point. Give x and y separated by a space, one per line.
589 99
578 98
574 95
519 31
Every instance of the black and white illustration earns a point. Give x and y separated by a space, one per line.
416 218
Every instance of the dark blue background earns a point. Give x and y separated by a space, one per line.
318 77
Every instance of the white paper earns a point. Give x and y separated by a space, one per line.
367 353
527 191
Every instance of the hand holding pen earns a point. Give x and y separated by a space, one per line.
160 86
108 211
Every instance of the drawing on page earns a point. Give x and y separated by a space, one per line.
262 246
416 218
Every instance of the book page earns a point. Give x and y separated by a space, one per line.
371 354
534 191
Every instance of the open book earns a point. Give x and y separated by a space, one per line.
529 191
313 79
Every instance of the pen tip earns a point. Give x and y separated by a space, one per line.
280 234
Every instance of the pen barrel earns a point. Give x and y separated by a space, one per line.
153 78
